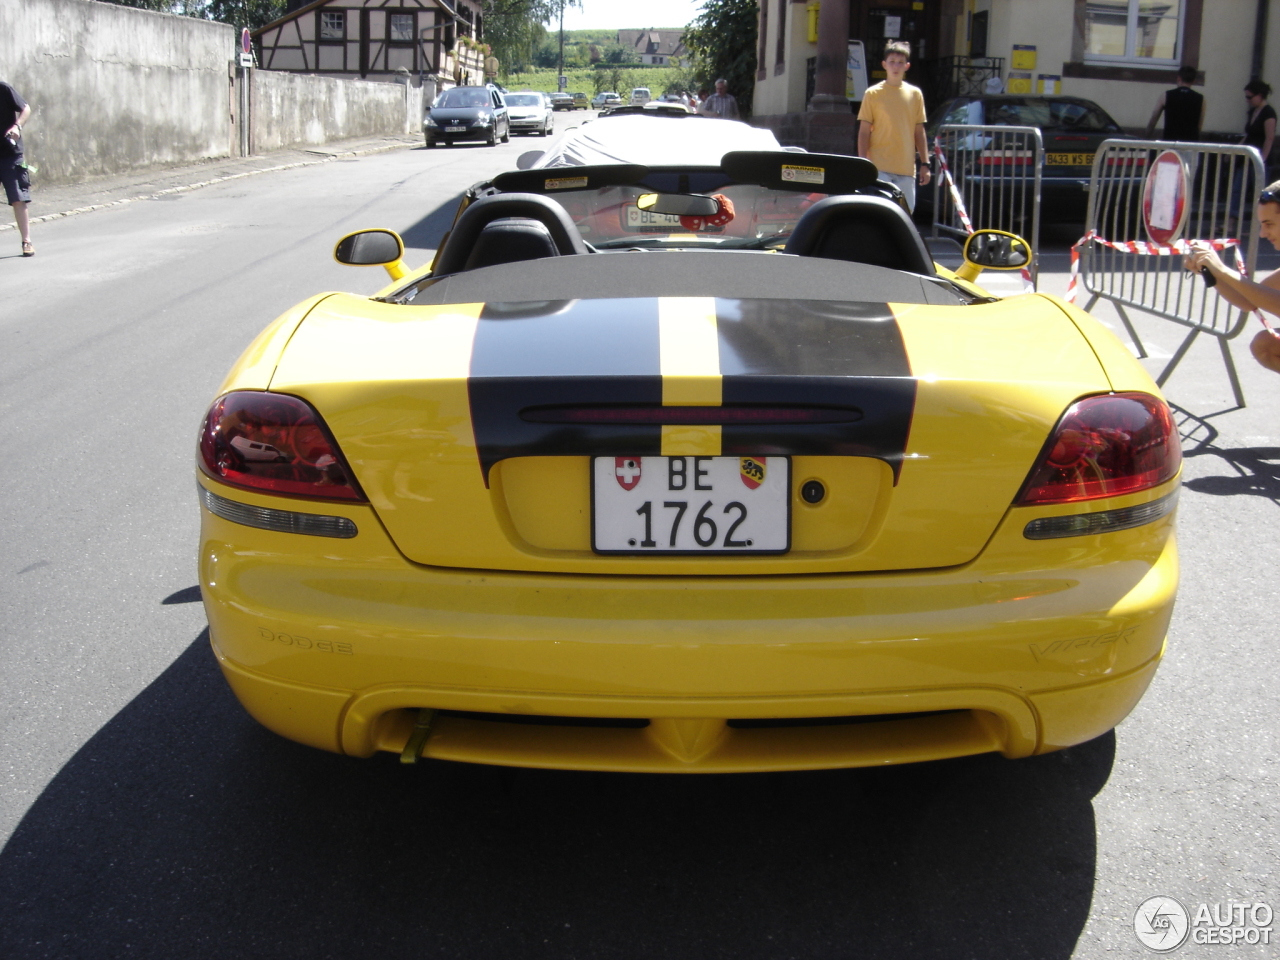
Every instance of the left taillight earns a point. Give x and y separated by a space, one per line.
1105 446
274 443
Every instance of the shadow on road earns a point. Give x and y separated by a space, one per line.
182 829
427 232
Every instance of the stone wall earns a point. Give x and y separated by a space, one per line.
113 89
292 109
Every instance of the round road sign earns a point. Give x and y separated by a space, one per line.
1164 198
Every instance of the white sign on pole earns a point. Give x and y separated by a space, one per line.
855 78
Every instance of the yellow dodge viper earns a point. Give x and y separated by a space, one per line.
687 468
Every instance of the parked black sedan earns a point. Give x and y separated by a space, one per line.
467 113
1071 129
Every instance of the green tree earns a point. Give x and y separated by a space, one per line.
244 13
514 30
723 42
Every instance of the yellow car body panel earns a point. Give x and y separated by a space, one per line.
912 618
967 456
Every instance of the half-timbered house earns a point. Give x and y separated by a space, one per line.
377 40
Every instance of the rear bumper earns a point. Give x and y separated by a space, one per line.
1033 647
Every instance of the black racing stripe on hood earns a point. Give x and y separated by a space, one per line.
546 353
822 353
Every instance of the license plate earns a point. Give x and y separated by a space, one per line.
690 505
455 129
637 219
1068 159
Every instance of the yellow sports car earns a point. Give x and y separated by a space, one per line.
769 491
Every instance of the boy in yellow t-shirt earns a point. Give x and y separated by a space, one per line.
891 125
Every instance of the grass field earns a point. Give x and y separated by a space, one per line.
620 81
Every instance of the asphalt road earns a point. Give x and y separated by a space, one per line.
143 814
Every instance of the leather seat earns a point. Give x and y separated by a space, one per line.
508 228
862 230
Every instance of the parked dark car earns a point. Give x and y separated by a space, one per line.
467 113
1071 129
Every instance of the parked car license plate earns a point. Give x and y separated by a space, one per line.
684 505
637 219
1068 159
455 129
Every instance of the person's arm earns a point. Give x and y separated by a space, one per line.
1151 124
922 149
16 127
1235 289
864 137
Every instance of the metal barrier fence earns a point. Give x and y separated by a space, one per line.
988 177
1117 263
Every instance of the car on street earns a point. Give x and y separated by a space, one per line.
1071 129
640 96
561 101
530 112
467 113
683 455
580 101
602 100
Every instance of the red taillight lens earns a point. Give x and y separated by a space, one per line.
1104 447
274 444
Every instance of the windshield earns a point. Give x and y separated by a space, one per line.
609 217
1045 114
523 100
464 97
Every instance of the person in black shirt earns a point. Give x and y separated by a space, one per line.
13 168
1260 129
1183 110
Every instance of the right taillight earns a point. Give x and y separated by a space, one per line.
1105 446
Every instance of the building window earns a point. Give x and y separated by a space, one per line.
401 28
1133 32
333 25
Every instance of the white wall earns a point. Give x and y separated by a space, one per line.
114 89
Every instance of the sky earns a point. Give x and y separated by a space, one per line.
627 14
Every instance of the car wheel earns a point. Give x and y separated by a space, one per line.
546 129
506 137
430 142
493 136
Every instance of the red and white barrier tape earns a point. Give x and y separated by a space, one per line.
963 214
1146 248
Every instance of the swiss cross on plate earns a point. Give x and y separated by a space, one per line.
627 471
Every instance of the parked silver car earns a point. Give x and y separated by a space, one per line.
530 112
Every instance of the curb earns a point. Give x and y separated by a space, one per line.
325 158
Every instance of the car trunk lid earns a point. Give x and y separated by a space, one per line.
436 410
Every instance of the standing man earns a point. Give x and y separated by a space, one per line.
720 104
891 125
1183 110
13 169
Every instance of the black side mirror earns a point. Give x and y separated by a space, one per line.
372 248
369 248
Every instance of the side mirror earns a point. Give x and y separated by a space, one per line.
679 204
372 248
993 250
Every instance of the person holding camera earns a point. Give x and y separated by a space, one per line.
14 112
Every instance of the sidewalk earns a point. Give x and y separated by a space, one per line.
65 200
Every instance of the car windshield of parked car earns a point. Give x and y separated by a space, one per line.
460 97
1032 112
523 100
